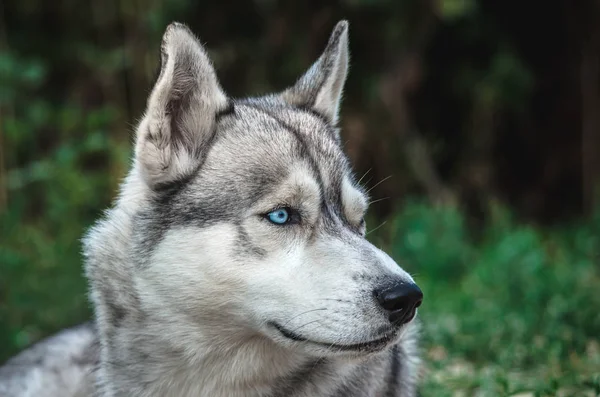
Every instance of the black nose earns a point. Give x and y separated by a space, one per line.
400 301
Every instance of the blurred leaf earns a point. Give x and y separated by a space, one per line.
33 73
455 9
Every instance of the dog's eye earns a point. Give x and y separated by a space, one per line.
282 215
279 216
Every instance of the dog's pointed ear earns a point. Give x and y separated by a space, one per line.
181 111
320 88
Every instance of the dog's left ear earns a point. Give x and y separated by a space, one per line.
320 88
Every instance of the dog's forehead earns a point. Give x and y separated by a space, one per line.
280 137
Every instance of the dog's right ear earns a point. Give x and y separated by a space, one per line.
179 120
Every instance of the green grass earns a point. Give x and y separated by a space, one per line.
512 309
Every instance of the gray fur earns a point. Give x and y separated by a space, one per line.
61 365
195 292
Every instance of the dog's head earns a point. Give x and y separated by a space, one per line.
253 223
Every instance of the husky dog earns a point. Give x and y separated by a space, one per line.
234 262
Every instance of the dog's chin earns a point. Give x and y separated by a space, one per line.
337 347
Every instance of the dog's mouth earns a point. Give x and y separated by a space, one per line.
367 346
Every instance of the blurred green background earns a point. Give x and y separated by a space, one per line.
477 124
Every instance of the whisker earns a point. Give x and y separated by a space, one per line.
379 183
337 300
303 313
304 325
372 230
362 177
378 200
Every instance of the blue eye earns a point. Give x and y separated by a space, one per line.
279 216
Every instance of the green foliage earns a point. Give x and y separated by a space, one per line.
420 228
514 308
56 181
